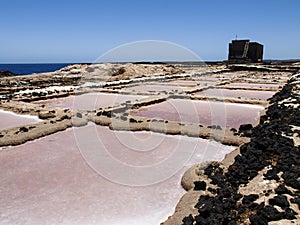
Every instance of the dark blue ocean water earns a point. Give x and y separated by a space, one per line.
33 68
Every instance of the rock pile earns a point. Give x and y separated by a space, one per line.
130 71
6 73
262 186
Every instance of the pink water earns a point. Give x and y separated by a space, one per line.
47 181
203 112
89 101
11 119
230 74
154 88
271 80
191 83
210 79
184 82
273 86
264 95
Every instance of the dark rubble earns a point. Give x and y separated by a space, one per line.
272 146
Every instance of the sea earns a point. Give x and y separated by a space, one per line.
25 69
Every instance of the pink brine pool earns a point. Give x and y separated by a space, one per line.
90 101
264 95
192 83
183 82
11 119
252 85
203 112
79 177
154 88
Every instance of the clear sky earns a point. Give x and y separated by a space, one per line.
81 31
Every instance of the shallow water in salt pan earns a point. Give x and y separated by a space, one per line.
11 119
267 80
252 85
183 82
210 78
191 83
264 95
203 112
154 88
48 181
89 101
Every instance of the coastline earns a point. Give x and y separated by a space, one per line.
15 69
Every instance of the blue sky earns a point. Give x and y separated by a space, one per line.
81 31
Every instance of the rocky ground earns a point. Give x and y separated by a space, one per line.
261 185
76 74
